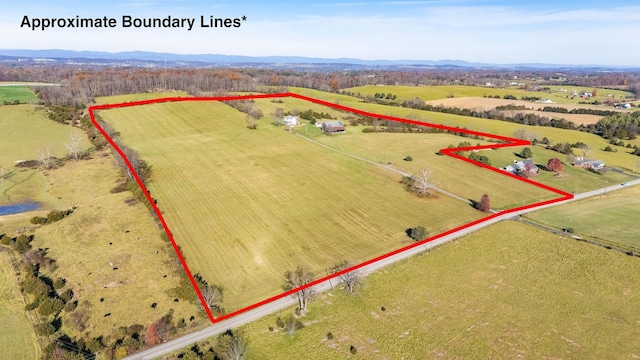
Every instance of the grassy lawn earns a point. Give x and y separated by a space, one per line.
105 233
247 205
427 93
137 97
612 217
18 340
24 130
17 92
571 179
506 291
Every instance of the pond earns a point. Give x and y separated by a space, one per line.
18 208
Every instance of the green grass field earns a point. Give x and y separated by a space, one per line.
612 217
247 205
11 93
18 340
506 291
427 93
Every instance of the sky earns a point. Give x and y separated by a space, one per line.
487 31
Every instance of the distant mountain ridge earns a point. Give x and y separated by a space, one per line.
241 59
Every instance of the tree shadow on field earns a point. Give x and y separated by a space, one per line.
473 203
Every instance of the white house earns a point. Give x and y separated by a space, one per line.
290 120
524 167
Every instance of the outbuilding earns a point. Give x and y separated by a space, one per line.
330 127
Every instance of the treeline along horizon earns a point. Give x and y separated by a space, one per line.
128 21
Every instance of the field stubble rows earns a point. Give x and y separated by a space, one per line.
245 206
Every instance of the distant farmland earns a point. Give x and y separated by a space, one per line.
247 205
19 93
447 91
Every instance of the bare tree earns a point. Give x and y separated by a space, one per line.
585 149
291 324
74 145
421 184
351 279
213 296
139 165
278 115
233 345
45 156
251 122
298 278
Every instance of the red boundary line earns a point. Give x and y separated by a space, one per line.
506 142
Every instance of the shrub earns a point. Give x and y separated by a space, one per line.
408 158
329 336
67 296
526 153
38 220
50 306
563 148
608 148
5 240
418 233
22 244
70 306
353 350
119 188
480 158
59 283
35 286
45 329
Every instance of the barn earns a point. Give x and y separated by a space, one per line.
330 127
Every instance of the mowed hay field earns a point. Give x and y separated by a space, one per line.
612 217
18 340
247 205
506 291
21 93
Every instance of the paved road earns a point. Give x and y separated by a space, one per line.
283 303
